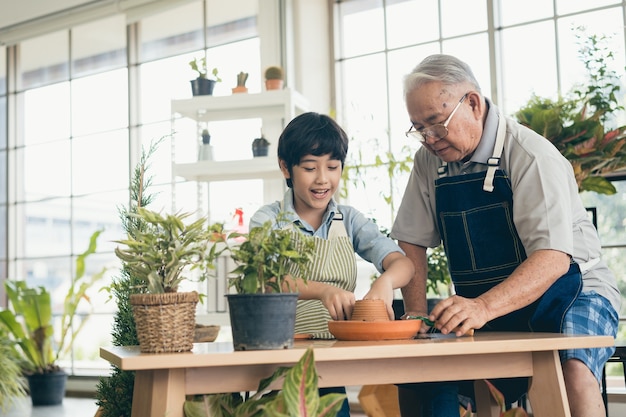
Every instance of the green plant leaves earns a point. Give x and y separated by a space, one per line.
299 396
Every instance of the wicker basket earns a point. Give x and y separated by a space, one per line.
165 322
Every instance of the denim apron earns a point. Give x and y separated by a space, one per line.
475 218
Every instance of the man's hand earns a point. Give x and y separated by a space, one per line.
460 315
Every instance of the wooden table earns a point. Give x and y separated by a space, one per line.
163 380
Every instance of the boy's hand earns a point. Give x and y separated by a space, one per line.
338 302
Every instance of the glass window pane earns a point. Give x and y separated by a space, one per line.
156 90
100 102
512 12
37 68
571 6
47 233
3 236
248 195
362 26
401 63
46 170
47 113
401 22
3 179
474 50
607 23
365 109
230 21
98 211
3 69
108 171
171 33
455 13
99 46
527 69
3 122
232 58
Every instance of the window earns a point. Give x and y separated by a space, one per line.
84 112
378 42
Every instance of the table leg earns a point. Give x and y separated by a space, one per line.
159 393
486 405
547 394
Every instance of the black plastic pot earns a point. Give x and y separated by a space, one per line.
47 389
262 321
260 147
202 86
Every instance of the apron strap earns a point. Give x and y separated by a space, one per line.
337 228
494 161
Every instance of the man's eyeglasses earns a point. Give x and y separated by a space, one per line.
438 131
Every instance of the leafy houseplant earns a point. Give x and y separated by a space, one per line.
274 78
159 254
299 396
263 310
577 124
202 85
30 322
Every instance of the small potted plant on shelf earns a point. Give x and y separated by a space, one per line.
299 392
161 254
260 146
30 322
263 309
274 78
202 85
242 77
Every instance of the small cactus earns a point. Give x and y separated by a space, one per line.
274 73
242 77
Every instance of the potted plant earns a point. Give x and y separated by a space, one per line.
274 78
202 85
242 77
29 320
12 384
260 146
577 124
299 392
161 254
263 309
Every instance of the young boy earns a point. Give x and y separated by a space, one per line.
311 153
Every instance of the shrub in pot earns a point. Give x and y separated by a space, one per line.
161 255
264 260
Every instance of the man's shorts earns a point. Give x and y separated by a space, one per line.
591 314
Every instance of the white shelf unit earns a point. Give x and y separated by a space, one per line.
275 108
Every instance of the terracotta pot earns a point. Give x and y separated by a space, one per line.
240 89
273 84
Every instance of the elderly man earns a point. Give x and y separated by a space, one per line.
523 254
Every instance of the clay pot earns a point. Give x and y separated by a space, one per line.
369 310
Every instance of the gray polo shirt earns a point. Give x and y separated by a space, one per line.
548 212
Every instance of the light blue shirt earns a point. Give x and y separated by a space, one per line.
367 240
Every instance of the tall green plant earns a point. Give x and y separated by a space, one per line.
299 396
114 393
578 123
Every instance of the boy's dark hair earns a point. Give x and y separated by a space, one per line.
311 134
